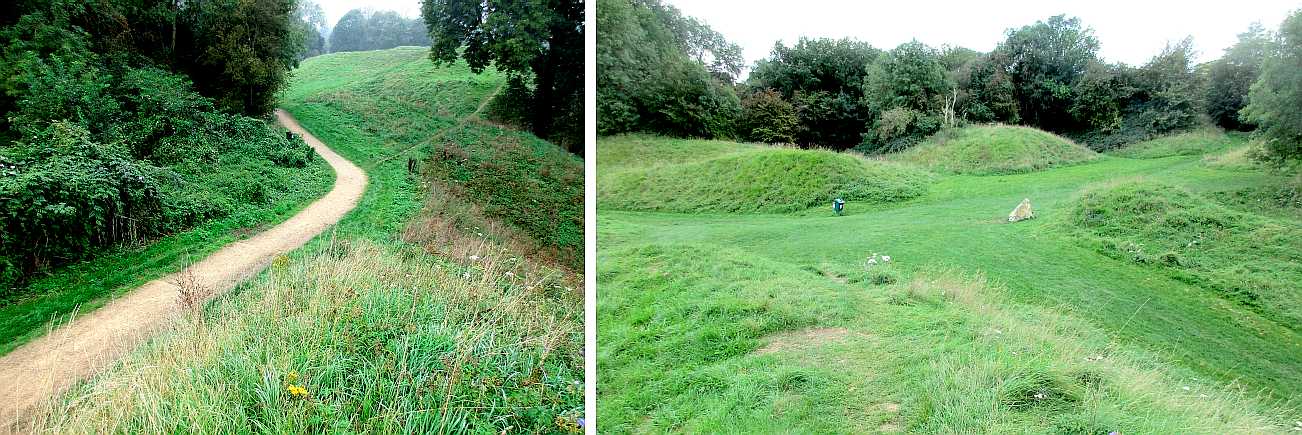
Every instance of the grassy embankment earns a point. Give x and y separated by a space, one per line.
747 322
375 334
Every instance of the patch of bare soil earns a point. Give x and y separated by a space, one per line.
801 339
40 370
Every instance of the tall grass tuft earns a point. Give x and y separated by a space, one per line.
358 337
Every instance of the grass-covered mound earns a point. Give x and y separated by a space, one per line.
406 107
1183 144
641 151
995 149
759 180
1249 259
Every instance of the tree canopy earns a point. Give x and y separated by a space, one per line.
824 79
649 80
1231 76
537 42
1274 99
362 30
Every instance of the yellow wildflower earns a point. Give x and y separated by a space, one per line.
297 391
291 376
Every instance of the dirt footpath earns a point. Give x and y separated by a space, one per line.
49 365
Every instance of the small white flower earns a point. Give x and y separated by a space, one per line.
1040 396
886 259
1185 388
510 274
872 261
479 234
474 258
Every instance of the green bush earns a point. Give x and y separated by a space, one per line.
766 117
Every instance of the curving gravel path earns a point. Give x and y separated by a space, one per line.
75 351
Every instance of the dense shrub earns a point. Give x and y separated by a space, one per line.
823 79
766 117
906 89
1275 97
99 152
985 92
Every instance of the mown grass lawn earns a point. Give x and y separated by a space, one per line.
739 281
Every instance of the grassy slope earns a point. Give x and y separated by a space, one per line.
517 177
713 176
383 336
995 149
82 287
1183 144
1183 335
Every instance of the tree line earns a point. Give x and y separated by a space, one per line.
659 71
361 30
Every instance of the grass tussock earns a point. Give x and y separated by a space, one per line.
1249 259
1183 144
995 149
358 337
1030 370
755 180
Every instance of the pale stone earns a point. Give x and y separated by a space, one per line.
1022 212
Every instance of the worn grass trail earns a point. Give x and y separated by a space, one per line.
43 368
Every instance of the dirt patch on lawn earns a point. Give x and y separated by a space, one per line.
803 338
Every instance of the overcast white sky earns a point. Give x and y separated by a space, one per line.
334 9
1129 31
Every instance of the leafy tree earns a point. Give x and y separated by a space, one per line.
542 39
1097 97
349 34
911 85
1171 90
823 78
766 117
244 51
1231 76
646 81
985 91
1045 61
361 30
721 57
312 24
1274 99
